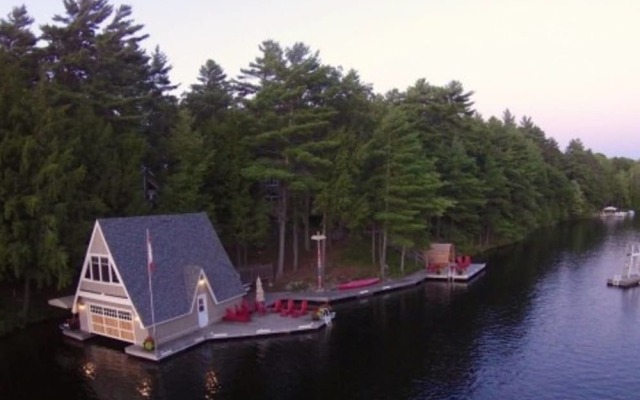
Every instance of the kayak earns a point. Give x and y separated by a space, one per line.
358 283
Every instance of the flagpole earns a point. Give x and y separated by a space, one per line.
149 267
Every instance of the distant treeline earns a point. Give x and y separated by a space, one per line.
90 127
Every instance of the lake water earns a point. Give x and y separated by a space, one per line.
539 324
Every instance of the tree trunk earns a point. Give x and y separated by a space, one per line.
383 254
404 250
451 229
282 230
487 234
325 231
245 254
27 300
373 245
294 232
382 243
307 232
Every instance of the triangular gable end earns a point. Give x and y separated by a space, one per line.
98 245
85 266
203 280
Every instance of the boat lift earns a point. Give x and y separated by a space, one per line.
631 271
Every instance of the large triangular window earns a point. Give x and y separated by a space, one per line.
100 270
114 277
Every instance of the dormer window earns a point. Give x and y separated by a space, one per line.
100 270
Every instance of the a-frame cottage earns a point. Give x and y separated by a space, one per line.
191 283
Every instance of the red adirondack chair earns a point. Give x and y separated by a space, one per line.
246 308
236 316
229 315
288 309
242 314
302 310
260 308
277 306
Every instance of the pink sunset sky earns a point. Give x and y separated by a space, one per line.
573 66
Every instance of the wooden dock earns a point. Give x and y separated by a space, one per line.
77 334
624 282
336 295
273 323
449 274
268 324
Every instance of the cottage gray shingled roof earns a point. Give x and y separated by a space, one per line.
182 244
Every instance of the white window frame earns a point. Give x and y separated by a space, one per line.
111 268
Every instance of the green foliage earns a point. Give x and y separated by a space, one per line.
76 108
184 188
84 109
405 183
240 212
291 144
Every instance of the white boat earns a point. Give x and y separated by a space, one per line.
326 314
612 212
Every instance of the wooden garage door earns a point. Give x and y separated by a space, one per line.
112 322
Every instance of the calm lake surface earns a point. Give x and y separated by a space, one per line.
539 324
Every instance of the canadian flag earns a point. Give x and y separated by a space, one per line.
150 263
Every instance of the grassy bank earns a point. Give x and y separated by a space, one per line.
346 260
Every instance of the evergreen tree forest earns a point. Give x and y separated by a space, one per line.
91 126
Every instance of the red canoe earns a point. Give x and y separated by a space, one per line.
359 283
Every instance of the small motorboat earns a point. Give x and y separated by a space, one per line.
358 283
324 313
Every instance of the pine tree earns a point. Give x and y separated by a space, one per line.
183 191
240 212
39 174
160 111
211 97
340 199
291 140
407 184
465 190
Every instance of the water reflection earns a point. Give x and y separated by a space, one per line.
211 384
630 301
111 374
144 388
89 370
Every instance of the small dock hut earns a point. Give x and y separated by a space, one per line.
440 255
443 264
